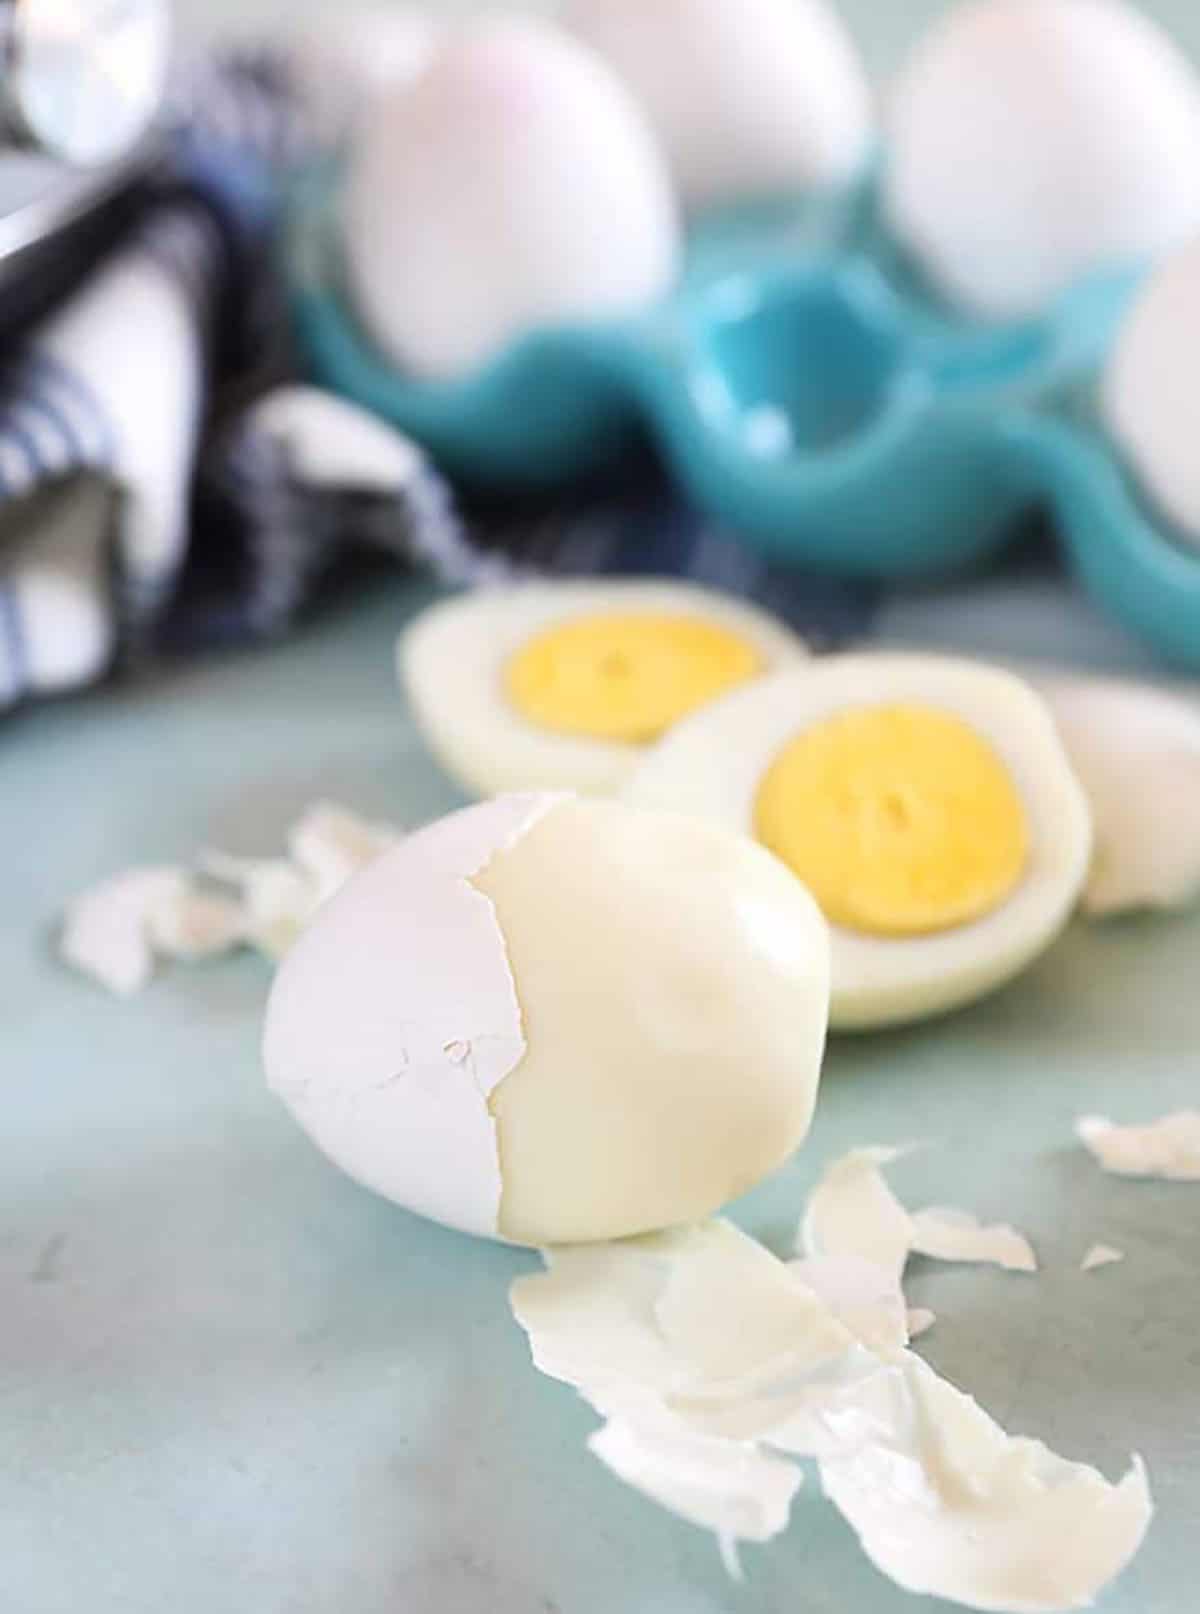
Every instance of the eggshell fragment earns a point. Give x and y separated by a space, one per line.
852 1212
1101 1255
920 1321
1033 143
1168 1148
865 1298
190 925
749 97
946 1234
737 1491
953 1507
941 1498
515 184
107 933
381 1029
1136 752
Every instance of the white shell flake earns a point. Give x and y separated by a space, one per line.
953 1507
337 1072
116 931
942 1500
946 1234
1136 751
1168 1148
1101 1255
107 932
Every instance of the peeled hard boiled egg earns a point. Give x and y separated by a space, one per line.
1034 142
562 685
749 97
926 802
1149 387
555 1021
514 184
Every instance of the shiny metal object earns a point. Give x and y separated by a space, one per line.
82 80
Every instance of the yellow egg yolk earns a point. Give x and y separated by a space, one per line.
626 677
901 820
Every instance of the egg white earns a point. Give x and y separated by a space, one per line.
713 765
452 660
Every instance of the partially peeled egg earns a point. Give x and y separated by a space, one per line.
555 1021
750 98
514 184
1033 143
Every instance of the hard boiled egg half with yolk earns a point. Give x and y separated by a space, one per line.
564 685
555 1021
927 803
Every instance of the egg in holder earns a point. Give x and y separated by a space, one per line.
812 389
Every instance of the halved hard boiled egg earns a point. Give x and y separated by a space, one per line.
926 802
555 1021
563 685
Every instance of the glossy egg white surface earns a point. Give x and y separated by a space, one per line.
713 765
452 661
1032 143
514 184
555 1021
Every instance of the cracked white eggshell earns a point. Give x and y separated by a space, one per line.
1101 1255
1136 751
451 663
713 763
514 184
749 97
1168 1148
735 1490
943 1233
387 1067
1034 142
107 931
954 1507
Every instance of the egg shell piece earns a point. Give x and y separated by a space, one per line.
1136 751
1168 1148
749 97
1034 142
390 1072
1101 1255
713 764
451 664
943 1233
737 1491
853 1213
515 184
627 1326
953 1507
107 931
864 1297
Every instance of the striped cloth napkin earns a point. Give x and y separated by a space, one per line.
168 482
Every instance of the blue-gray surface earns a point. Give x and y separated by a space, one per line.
231 1380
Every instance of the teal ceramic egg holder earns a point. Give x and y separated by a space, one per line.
804 388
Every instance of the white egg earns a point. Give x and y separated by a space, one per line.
1136 751
1149 387
514 184
556 1021
928 802
750 97
561 685
1034 142
339 71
